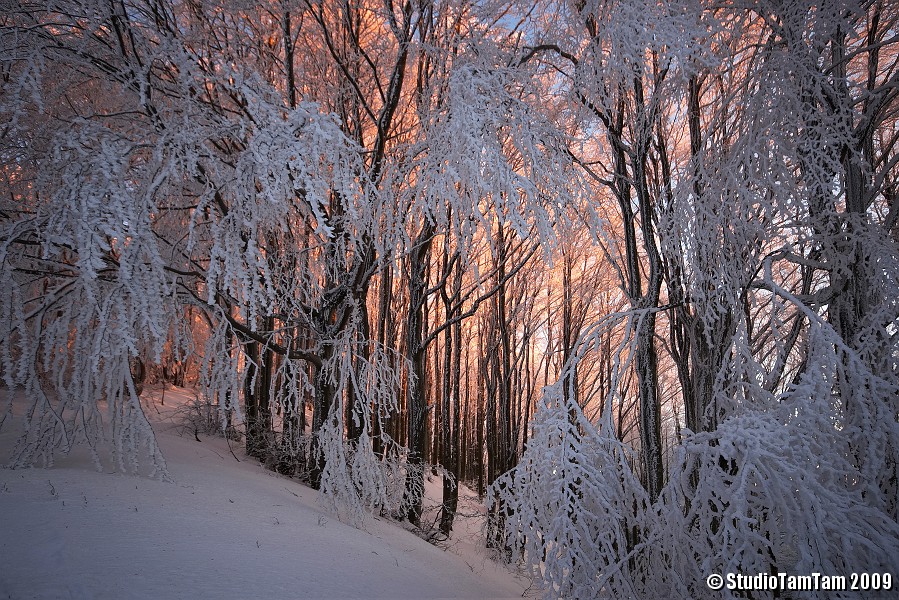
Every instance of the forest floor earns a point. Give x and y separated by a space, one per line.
223 528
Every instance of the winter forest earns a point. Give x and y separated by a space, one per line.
629 269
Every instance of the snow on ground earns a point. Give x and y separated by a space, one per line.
223 529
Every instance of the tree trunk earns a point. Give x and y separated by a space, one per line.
416 401
322 408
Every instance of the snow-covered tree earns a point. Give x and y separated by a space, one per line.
155 170
169 156
773 149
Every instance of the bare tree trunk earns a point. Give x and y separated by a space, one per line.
416 401
257 400
452 373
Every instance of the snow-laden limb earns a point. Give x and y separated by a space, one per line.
488 155
87 294
75 370
222 374
783 484
356 482
789 487
358 479
574 506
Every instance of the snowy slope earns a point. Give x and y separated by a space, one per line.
223 529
